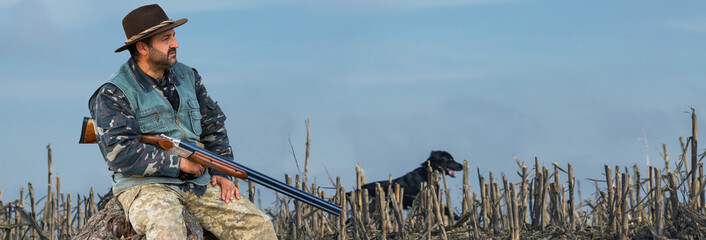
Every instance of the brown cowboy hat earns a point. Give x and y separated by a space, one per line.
144 22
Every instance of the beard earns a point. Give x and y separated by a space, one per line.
160 60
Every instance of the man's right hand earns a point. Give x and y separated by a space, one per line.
191 167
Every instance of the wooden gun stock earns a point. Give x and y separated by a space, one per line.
88 135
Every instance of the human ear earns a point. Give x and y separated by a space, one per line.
142 48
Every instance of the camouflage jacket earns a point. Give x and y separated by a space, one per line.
120 144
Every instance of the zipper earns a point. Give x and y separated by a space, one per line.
176 117
176 120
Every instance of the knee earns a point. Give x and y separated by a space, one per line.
165 219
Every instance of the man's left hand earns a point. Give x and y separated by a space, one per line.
228 189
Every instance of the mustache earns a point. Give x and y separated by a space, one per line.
171 50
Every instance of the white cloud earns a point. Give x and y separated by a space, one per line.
70 14
28 30
403 4
8 3
413 76
691 25
360 6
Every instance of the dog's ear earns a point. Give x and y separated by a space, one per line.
436 161
436 164
435 155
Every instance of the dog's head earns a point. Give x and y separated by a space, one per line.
443 161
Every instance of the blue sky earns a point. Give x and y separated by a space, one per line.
383 83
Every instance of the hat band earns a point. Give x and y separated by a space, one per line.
149 30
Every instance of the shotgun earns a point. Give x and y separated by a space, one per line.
214 161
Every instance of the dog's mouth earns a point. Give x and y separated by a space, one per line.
450 172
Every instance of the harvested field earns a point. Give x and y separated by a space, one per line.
666 202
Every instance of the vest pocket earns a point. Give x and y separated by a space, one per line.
195 115
150 122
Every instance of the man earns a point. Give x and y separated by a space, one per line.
154 94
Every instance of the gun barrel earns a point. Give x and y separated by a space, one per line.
271 183
88 136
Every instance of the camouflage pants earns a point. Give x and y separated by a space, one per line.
156 211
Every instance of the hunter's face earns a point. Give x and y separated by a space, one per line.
162 52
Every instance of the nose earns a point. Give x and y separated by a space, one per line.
173 43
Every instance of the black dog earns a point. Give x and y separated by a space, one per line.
439 160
